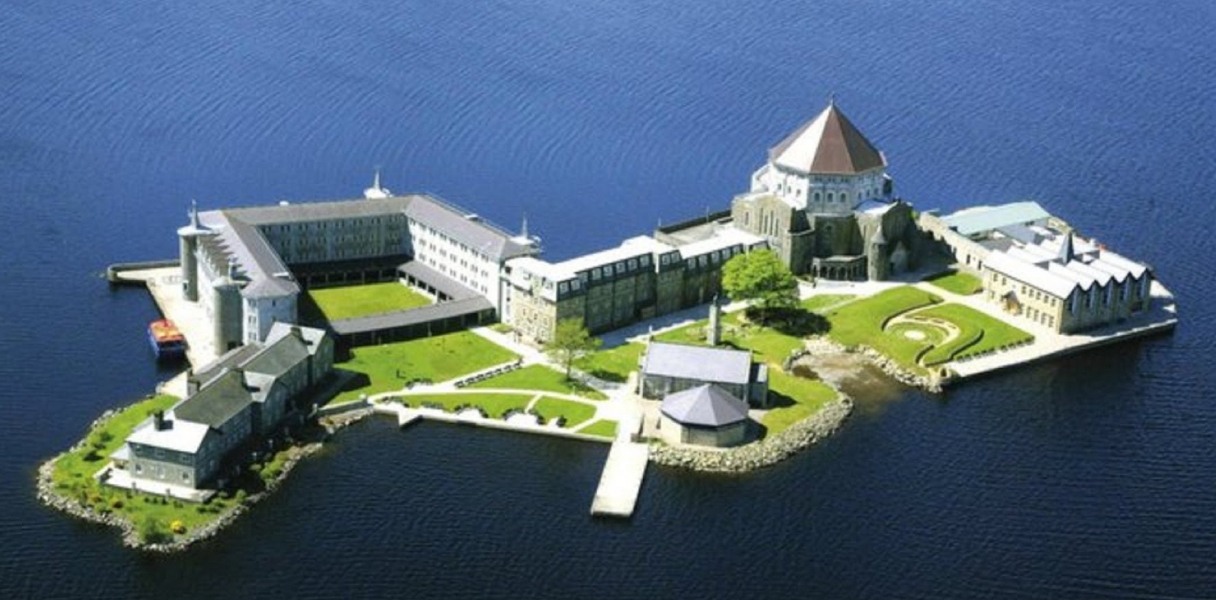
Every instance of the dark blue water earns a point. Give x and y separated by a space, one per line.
1093 476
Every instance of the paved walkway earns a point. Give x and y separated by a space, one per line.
165 285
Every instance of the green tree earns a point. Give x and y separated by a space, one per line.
571 342
761 277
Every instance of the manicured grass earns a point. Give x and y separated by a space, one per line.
501 328
73 476
389 366
603 428
614 364
795 398
768 344
364 300
494 404
979 333
963 284
539 377
932 334
818 302
576 413
861 322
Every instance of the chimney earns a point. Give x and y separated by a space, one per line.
158 420
192 383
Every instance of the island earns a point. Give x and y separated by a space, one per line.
301 318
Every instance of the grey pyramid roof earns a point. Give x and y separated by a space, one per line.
704 406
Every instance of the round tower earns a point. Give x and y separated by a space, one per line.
188 246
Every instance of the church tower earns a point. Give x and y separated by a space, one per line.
826 166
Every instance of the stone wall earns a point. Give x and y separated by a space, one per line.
759 454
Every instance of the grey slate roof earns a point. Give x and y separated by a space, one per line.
446 285
312 336
278 357
697 363
456 224
217 403
319 211
704 406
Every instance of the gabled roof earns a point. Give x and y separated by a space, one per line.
704 406
698 363
829 144
178 435
217 403
466 228
278 357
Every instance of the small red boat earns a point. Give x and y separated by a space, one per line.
167 340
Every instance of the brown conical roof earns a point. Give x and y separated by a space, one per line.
829 144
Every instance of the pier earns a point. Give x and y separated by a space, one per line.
621 480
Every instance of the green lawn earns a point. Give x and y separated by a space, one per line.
389 366
73 476
795 398
861 322
821 301
768 344
963 284
539 377
979 333
494 404
348 302
614 364
576 413
603 428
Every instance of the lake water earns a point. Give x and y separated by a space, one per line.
1091 476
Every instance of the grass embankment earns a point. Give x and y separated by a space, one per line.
793 399
963 284
819 302
495 405
613 364
540 378
769 344
73 472
604 428
576 413
979 333
862 322
353 301
389 367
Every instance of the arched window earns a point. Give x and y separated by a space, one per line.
831 198
844 196
816 196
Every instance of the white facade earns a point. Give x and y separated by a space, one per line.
819 194
469 266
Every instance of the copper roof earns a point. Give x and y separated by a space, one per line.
829 144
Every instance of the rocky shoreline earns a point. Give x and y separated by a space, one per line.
822 345
49 496
763 453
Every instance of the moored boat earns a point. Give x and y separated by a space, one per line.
166 339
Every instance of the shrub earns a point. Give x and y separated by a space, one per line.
178 527
151 532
